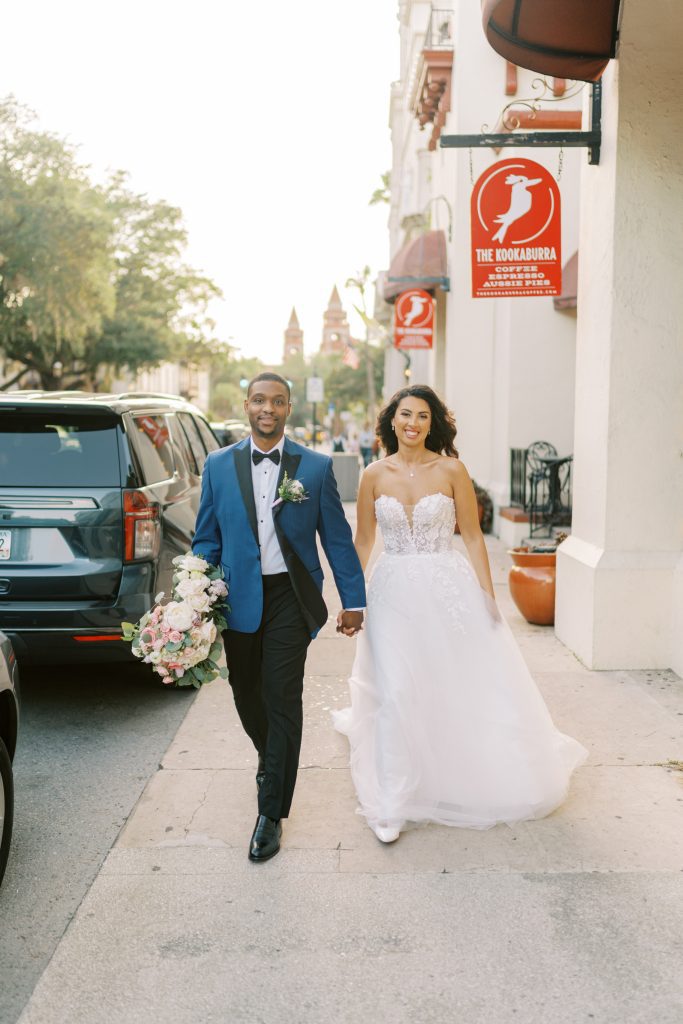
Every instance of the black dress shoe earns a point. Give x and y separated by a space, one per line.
265 840
260 772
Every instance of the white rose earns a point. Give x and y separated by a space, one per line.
296 487
206 633
200 602
192 563
202 652
183 574
154 657
191 587
179 615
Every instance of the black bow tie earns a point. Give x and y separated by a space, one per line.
257 457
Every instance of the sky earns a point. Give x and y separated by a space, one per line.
266 123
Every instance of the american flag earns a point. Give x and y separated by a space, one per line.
350 357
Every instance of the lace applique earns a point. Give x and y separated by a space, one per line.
393 522
433 524
429 534
444 575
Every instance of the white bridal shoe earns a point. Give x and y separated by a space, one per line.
386 833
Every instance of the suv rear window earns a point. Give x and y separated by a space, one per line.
58 449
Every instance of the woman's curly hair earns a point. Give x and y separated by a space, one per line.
442 430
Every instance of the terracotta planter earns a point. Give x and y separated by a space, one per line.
532 584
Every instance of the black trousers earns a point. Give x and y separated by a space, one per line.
266 673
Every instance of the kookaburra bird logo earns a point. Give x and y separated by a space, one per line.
520 203
417 305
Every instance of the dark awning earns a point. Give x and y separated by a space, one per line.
419 264
564 38
570 280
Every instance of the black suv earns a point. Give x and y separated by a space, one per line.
98 493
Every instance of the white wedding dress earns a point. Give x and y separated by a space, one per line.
446 723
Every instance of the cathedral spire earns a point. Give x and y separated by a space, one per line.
336 332
294 338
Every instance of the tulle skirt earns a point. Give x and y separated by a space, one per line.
446 723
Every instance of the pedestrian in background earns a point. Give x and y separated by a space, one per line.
365 439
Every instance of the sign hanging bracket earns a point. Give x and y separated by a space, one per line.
591 139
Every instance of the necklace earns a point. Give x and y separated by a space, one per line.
411 472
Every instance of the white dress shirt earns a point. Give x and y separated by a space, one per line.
264 480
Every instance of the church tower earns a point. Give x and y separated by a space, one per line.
294 338
336 331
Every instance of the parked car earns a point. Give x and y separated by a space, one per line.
9 722
98 493
230 431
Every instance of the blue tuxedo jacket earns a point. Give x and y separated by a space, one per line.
227 534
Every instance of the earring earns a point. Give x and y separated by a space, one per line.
393 428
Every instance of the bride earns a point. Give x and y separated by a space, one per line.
446 723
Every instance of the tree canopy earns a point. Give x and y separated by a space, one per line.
90 275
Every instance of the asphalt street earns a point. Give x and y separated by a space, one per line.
90 738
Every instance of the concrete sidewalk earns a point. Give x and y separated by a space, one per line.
574 918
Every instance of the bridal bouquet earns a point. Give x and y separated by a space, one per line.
181 639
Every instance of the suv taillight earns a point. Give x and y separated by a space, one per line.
141 527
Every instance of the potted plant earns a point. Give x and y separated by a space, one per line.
484 507
532 580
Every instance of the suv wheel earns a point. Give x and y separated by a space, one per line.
6 806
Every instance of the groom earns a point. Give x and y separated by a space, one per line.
263 534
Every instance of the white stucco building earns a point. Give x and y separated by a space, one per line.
506 365
188 381
605 385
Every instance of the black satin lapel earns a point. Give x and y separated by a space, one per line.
243 470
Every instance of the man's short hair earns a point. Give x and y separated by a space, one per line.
268 375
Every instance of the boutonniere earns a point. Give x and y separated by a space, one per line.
290 490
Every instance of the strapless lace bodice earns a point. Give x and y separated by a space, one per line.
430 531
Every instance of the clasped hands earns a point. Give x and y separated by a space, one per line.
349 623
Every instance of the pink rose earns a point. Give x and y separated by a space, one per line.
167 680
175 637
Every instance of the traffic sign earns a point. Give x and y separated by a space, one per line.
315 389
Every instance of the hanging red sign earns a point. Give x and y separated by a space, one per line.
516 231
414 319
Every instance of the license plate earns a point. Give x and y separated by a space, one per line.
5 544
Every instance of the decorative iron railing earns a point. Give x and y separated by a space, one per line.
439 34
518 477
